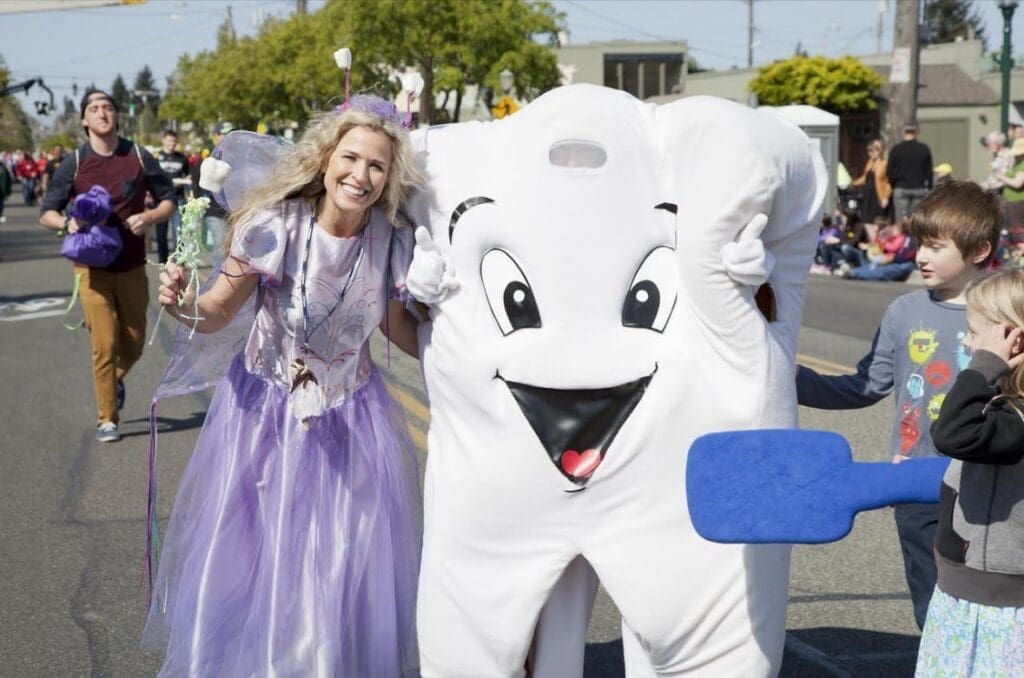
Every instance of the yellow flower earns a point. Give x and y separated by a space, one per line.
506 105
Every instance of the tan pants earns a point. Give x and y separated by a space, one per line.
114 305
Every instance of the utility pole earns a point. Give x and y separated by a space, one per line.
230 25
1006 63
300 6
879 22
904 70
750 33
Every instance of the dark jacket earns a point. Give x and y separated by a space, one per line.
980 541
910 165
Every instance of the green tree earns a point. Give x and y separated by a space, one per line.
693 67
66 124
838 85
947 20
66 140
144 83
283 73
119 92
458 43
15 131
286 71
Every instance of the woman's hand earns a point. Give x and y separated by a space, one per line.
1004 340
172 281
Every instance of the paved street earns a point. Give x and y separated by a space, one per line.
72 600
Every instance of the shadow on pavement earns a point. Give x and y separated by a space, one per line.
603 660
829 651
166 424
28 245
810 653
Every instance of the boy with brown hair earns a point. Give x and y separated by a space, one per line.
917 352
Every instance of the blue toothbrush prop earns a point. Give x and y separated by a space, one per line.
794 486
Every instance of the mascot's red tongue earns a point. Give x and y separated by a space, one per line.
580 464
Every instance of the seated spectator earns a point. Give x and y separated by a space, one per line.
1010 251
853 245
943 174
894 259
828 247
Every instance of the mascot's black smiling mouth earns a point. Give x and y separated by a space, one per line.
577 426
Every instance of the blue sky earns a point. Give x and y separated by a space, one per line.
82 46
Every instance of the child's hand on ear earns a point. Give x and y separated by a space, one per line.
1006 341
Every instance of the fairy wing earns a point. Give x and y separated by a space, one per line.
252 158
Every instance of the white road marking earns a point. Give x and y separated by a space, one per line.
44 307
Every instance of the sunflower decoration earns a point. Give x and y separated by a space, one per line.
506 105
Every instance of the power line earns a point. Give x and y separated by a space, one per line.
613 20
123 48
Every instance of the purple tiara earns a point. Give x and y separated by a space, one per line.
382 108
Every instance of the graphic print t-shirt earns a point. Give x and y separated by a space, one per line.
916 355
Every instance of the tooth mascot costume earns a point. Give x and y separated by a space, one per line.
608 253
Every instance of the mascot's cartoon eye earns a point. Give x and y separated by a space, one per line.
652 294
508 292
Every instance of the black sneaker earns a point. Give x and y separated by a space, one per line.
120 394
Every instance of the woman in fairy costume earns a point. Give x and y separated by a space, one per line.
293 545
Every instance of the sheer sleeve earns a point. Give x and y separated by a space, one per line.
260 244
401 256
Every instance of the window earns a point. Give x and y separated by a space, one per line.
643 75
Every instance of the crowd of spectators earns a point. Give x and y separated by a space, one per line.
868 237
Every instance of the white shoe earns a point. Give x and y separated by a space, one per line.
107 432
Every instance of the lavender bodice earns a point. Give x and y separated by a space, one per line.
337 324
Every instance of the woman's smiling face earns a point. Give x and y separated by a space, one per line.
356 175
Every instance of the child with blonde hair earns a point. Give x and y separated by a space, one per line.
975 620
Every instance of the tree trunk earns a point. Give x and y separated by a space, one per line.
458 104
903 94
427 95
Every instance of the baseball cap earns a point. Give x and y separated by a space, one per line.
223 127
91 94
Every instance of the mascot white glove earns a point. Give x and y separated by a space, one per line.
212 174
746 260
431 277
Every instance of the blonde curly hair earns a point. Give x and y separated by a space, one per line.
300 173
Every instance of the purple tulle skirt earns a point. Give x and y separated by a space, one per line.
292 552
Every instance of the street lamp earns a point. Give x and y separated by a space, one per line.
1006 62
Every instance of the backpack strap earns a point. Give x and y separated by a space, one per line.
138 154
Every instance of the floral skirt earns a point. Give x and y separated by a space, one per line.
292 552
966 639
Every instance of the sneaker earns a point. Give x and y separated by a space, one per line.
107 432
120 394
821 269
842 270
